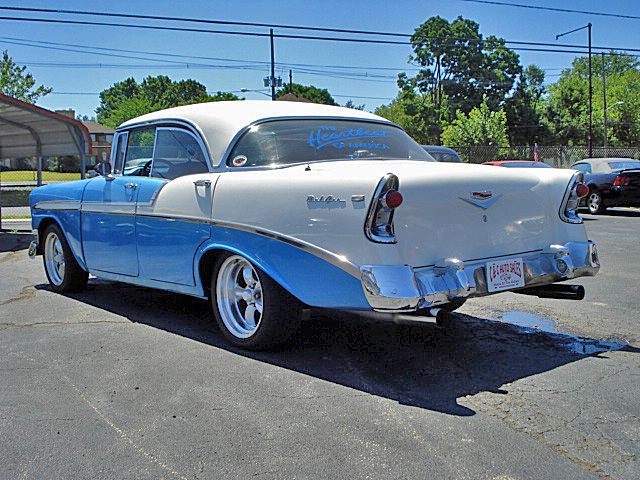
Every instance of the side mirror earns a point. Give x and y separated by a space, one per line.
103 169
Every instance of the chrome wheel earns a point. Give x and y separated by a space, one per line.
239 296
54 259
594 202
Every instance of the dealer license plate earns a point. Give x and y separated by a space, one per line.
505 274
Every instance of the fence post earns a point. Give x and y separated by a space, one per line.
39 177
83 165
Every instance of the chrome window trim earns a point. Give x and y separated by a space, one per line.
179 129
175 123
114 151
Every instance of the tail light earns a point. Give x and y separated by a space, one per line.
386 198
621 181
575 191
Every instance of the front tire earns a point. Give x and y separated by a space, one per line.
251 309
63 271
595 204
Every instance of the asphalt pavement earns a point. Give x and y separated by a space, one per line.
131 383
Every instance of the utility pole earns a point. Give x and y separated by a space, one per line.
590 133
590 138
290 81
604 101
273 68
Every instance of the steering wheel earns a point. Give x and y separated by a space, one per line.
158 162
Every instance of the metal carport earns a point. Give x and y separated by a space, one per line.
30 131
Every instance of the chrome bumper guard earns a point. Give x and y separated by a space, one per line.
390 288
33 246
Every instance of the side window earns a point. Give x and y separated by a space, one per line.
119 148
139 151
177 153
582 167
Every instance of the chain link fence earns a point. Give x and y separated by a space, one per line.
18 177
560 157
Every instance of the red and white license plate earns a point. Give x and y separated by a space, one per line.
505 274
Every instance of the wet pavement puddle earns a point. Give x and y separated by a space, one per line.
527 322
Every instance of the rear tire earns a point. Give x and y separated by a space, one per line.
251 309
63 271
595 203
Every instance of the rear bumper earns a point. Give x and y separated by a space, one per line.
390 288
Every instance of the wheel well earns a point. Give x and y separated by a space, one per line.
205 267
44 224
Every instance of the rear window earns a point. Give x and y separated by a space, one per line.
285 142
623 165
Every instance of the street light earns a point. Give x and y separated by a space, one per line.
245 90
590 136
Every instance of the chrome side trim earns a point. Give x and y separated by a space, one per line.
58 205
336 260
402 288
113 208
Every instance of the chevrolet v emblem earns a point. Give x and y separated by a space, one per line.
482 199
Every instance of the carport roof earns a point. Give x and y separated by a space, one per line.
27 130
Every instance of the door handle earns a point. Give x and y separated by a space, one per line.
130 186
202 183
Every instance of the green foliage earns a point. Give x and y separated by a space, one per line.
481 126
16 82
350 104
416 115
459 64
128 99
524 108
315 94
566 113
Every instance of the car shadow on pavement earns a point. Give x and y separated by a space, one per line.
12 242
415 364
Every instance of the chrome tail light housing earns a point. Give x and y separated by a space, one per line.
571 201
378 226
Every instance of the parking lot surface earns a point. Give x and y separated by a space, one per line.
131 383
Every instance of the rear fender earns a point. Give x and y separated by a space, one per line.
313 280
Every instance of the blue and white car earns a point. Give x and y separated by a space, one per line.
268 208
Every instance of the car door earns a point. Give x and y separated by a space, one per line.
174 207
109 205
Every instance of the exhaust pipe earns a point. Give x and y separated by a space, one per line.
561 292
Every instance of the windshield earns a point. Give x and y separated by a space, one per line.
623 165
284 142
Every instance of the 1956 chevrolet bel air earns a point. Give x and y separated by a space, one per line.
268 208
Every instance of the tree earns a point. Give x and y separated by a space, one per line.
566 113
16 82
458 64
314 94
128 99
350 104
481 126
415 114
524 108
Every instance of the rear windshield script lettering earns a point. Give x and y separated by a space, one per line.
327 135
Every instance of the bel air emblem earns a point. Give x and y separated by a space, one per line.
482 199
323 199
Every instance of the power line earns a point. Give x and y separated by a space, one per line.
553 9
259 34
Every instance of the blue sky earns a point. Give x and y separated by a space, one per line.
399 16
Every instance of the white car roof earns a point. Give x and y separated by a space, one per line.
601 165
220 122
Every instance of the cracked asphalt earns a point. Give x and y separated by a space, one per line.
131 383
